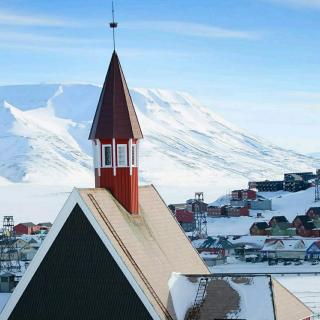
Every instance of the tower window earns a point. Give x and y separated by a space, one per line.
134 155
122 155
107 155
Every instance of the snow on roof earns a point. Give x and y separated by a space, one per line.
232 297
183 293
227 297
284 244
247 288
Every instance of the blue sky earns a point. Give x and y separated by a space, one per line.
242 53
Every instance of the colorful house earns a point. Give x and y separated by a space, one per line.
280 226
313 252
25 228
259 229
219 246
313 212
279 220
185 219
289 249
305 226
237 211
282 230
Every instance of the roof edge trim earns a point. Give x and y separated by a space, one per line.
73 199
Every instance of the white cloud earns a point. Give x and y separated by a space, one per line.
38 42
10 37
305 94
15 19
191 29
311 4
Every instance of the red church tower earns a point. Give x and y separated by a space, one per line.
115 135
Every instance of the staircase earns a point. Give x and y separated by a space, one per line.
194 313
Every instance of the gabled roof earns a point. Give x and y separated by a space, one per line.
315 246
287 306
220 243
279 219
284 244
260 225
306 222
315 209
147 248
115 116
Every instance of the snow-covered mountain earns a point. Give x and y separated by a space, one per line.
187 147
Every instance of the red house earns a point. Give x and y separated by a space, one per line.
246 194
305 226
259 229
115 135
24 228
236 195
237 211
313 212
249 194
184 216
216 211
185 219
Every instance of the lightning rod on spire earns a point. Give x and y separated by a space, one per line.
113 25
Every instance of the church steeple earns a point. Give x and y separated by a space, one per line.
115 135
115 115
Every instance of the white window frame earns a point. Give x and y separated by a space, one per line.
134 152
119 146
104 146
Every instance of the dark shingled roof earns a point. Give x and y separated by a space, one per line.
261 225
280 219
306 222
115 115
78 279
315 209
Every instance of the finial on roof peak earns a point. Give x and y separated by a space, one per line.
113 25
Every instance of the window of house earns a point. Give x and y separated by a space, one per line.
134 155
122 155
107 155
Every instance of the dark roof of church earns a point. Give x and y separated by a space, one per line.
115 115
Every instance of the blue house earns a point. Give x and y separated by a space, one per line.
313 252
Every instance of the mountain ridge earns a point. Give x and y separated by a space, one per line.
186 147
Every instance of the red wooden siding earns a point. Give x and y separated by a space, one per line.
123 186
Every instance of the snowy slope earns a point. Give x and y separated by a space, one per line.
44 130
33 148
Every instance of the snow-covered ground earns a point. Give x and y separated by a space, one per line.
30 202
283 203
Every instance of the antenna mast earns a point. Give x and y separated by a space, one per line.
113 25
